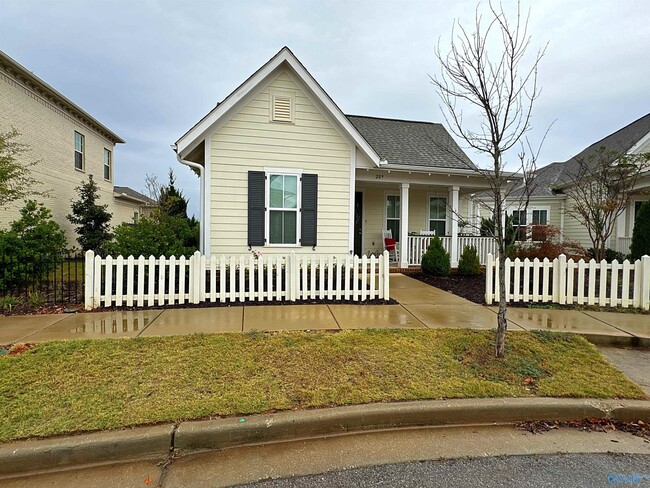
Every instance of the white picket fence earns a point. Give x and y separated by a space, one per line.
147 282
569 282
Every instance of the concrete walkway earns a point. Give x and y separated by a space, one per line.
421 306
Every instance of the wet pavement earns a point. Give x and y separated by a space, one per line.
420 306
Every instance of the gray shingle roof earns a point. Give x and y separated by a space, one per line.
620 141
133 195
411 143
552 176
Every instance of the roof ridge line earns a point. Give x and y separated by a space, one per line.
393 119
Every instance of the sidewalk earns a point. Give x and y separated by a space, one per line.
420 305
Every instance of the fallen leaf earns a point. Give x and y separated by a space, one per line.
148 480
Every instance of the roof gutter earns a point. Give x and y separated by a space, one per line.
199 168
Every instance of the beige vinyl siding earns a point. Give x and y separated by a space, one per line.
249 141
48 132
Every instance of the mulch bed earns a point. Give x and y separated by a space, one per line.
471 288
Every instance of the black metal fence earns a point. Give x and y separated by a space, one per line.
43 280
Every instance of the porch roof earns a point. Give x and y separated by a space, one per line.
412 143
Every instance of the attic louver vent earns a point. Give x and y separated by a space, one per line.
282 109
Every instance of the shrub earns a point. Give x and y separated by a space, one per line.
548 245
469 263
31 245
641 233
156 235
610 255
436 260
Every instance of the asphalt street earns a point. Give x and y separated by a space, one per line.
538 471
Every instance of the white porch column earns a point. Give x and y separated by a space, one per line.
620 230
453 198
404 225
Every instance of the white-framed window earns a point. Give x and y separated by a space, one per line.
438 215
282 209
519 221
79 147
527 220
393 215
107 164
282 106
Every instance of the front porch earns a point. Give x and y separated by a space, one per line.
415 207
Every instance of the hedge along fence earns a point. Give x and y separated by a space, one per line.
147 282
569 282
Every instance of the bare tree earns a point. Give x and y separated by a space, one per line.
599 188
488 71
152 187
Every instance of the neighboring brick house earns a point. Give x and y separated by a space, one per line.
68 143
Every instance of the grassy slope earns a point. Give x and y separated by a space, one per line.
62 387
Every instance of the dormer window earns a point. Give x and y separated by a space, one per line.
282 106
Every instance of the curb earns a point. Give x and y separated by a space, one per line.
25 457
232 432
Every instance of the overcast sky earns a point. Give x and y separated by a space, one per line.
150 69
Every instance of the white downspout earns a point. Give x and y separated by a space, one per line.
198 167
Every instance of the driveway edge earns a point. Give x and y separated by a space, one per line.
26 457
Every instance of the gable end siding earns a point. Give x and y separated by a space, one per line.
248 141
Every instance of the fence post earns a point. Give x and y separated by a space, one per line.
292 277
196 276
386 275
562 280
89 277
645 284
488 278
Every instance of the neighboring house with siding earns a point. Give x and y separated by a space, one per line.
549 204
284 169
68 143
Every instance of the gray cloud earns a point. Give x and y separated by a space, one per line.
150 69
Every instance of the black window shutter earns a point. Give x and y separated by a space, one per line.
309 210
256 185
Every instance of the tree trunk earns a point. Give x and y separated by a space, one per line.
502 324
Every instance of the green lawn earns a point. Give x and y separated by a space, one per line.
62 387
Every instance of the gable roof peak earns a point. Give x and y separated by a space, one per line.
197 133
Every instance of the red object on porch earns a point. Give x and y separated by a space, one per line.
389 244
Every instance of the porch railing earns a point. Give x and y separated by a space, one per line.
417 246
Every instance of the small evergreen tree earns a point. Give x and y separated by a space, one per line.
469 263
641 233
92 220
171 200
436 260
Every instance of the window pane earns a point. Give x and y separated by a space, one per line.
78 160
393 225
438 208
289 227
275 227
392 207
518 217
78 142
276 183
540 217
439 226
290 192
